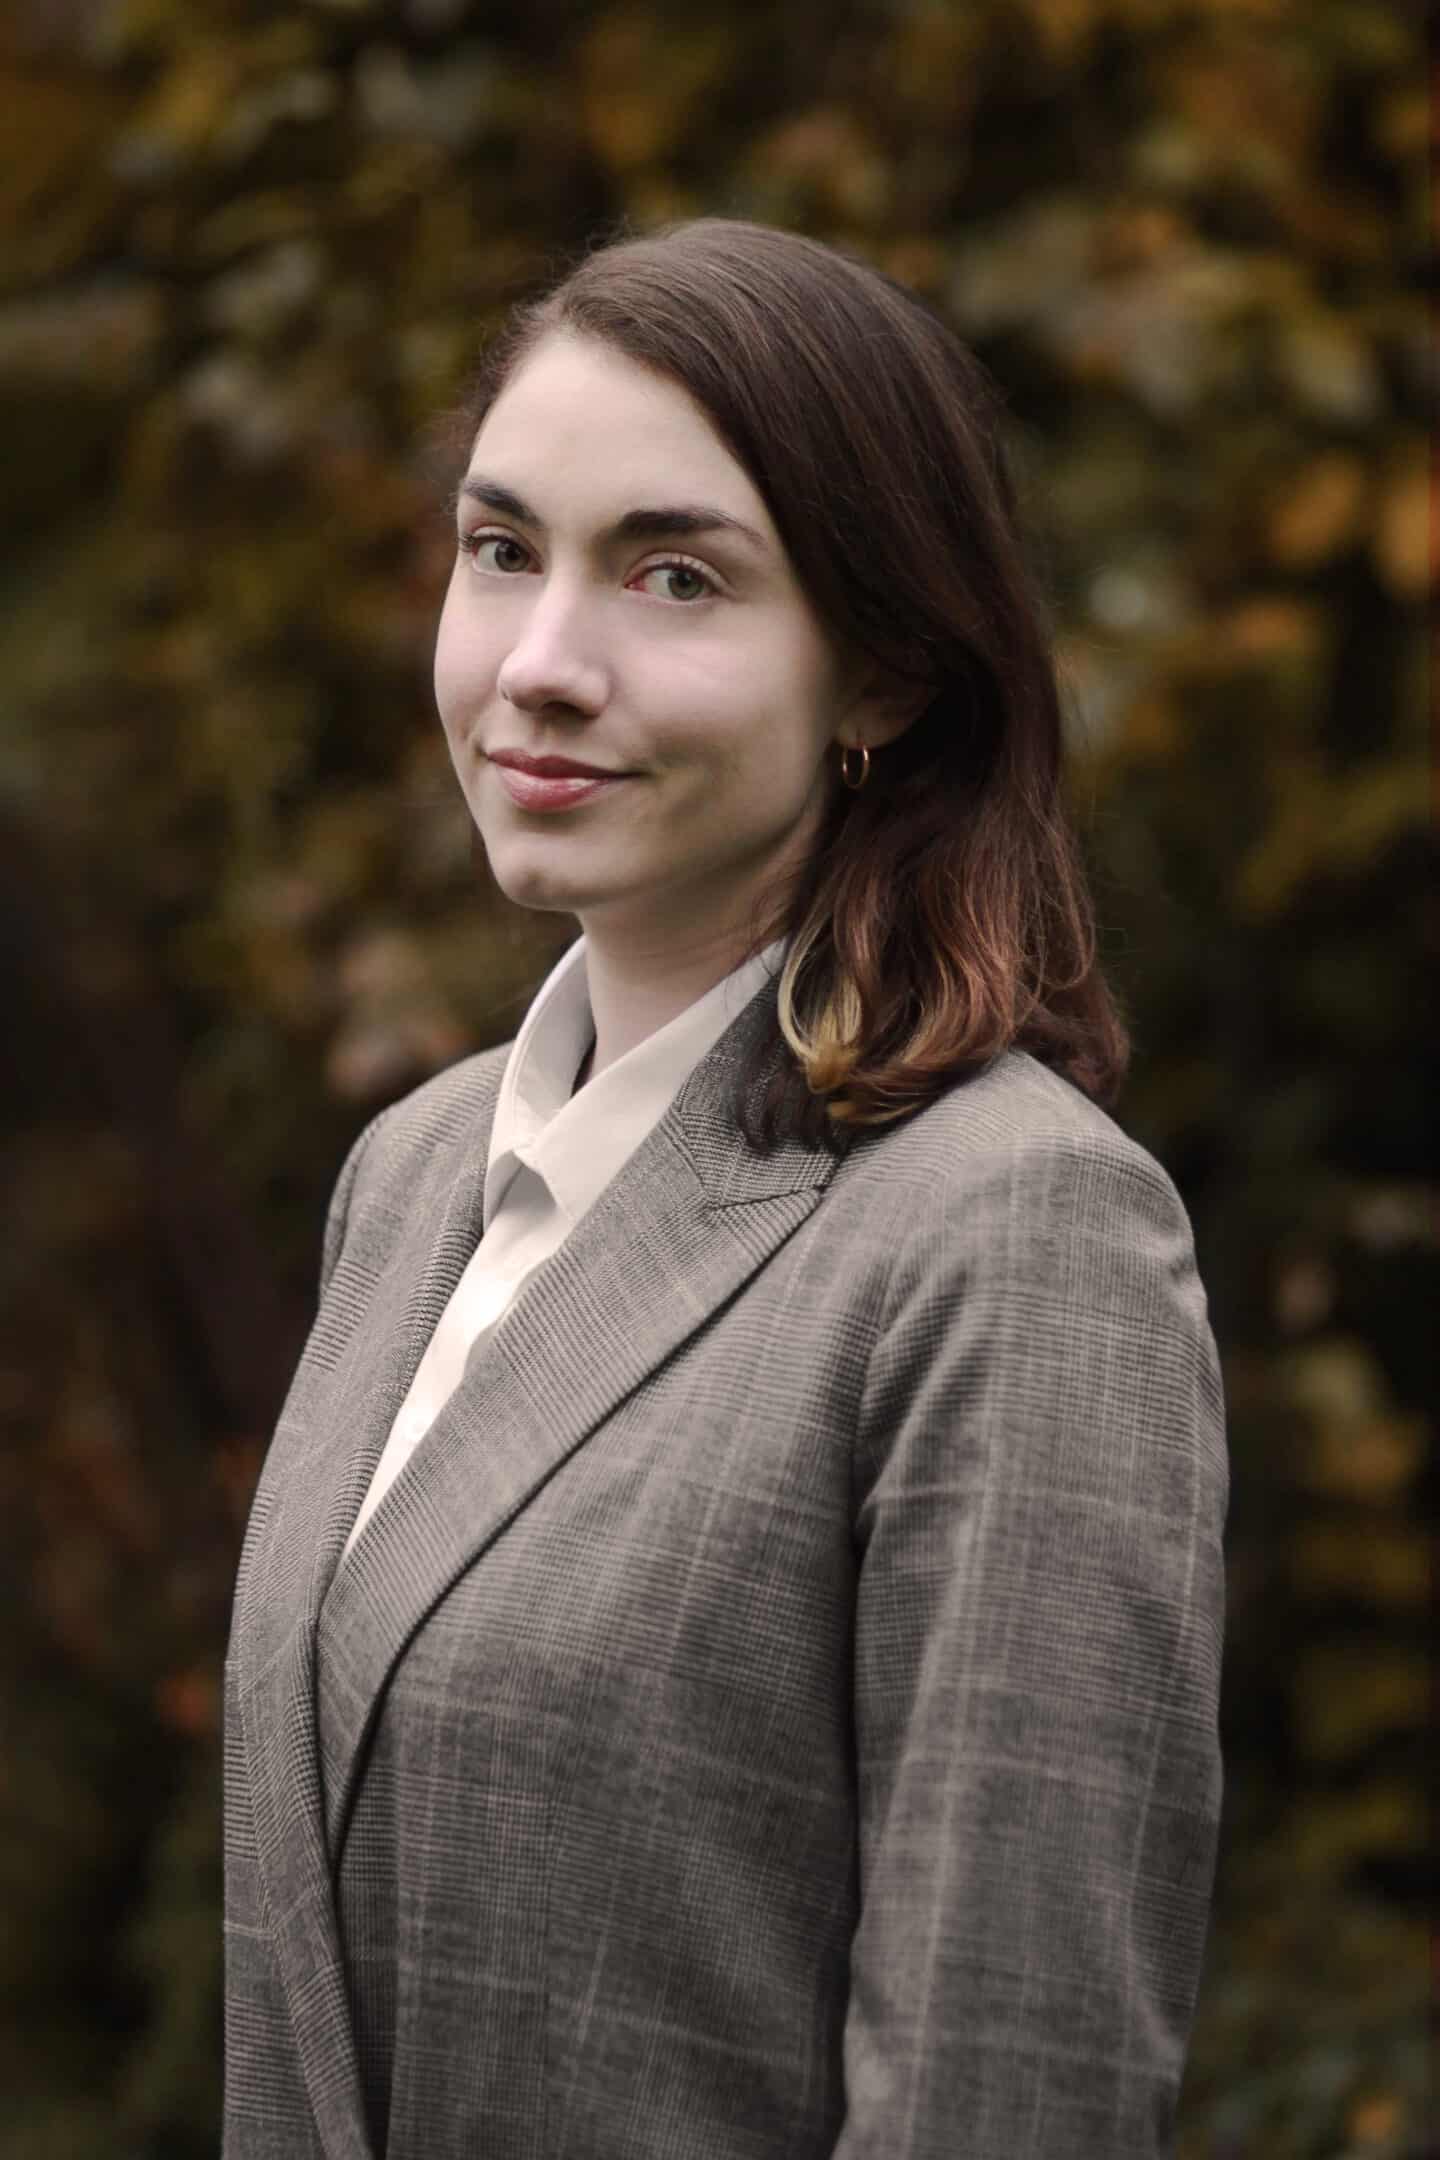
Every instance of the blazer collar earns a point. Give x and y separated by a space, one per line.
689 1218
577 1143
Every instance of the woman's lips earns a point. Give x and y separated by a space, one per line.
548 791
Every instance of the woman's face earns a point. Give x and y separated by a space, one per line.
620 597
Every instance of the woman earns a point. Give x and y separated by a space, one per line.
725 1654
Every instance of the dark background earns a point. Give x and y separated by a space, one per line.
247 255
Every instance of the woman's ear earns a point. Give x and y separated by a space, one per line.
883 706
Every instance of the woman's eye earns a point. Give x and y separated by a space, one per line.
681 580
499 555
493 551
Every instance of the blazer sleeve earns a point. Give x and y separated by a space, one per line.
337 1215
1039 1503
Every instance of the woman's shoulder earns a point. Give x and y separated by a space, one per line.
1019 1140
435 1112
448 1099
1015 1106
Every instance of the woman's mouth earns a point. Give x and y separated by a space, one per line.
554 791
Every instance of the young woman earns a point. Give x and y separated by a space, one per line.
726 1650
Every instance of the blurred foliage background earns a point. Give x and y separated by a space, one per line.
247 253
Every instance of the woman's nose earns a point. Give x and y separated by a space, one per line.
553 662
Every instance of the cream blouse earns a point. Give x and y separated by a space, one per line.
552 1153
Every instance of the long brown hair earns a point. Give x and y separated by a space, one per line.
943 915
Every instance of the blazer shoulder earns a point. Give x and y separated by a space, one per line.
1018 1194
437 1109
399 1139
1013 1117
1015 1173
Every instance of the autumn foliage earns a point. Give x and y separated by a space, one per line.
247 254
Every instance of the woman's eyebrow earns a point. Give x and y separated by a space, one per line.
649 523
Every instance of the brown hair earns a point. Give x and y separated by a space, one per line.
943 915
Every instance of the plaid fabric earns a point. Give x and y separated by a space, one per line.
773 1712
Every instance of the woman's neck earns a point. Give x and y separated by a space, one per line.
634 993
584 1072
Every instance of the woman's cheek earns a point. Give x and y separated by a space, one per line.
463 671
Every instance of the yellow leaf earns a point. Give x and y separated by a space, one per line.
190 102
1268 629
1327 823
1065 25
1358 1443
1330 365
919 261
1320 513
1371 1458
641 81
827 150
1377 2119
1402 539
1152 726
1403 121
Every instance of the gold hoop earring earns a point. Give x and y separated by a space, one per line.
845 749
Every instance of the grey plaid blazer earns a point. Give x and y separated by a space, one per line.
773 1713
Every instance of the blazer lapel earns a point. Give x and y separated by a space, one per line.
685 1222
326 1445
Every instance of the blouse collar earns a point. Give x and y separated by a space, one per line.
576 1143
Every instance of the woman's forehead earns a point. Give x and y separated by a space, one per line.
579 416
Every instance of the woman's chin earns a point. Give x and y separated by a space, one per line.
533 884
